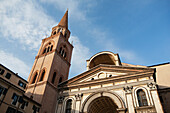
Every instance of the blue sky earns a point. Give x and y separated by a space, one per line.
139 30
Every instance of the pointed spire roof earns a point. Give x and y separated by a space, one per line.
64 21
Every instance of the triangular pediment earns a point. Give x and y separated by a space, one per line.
101 75
107 72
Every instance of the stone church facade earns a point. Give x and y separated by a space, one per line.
107 86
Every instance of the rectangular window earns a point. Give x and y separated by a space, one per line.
24 104
3 91
8 75
2 71
10 110
20 83
15 99
35 109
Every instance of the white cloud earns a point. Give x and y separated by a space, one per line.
80 54
14 64
27 23
24 21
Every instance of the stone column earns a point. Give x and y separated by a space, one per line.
78 102
156 100
129 99
60 103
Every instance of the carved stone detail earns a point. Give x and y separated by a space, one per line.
78 96
152 85
128 89
60 99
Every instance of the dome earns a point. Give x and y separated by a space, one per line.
105 57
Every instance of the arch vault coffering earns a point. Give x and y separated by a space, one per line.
102 105
103 102
104 57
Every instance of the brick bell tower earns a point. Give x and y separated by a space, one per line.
51 67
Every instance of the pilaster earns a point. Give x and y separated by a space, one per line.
129 99
60 103
155 97
78 102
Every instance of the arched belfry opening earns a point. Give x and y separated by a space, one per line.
105 57
102 104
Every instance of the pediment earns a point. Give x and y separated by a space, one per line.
106 72
101 75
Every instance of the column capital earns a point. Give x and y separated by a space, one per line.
60 99
128 89
152 85
78 96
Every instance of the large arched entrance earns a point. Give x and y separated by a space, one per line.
102 104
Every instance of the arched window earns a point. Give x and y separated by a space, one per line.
68 106
63 51
64 55
42 76
60 50
65 34
60 80
142 100
53 79
44 51
59 30
48 48
34 78
51 48
54 33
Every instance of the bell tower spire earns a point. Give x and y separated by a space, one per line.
62 27
64 21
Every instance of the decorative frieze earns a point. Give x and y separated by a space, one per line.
152 85
128 89
60 99
78 97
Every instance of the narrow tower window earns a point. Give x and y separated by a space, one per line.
65 34
60 80
44 51
63 51
60 50
54 33
35 77
42 76
53 79
58 30
142 100
48 49
51 48
68 106
64 55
